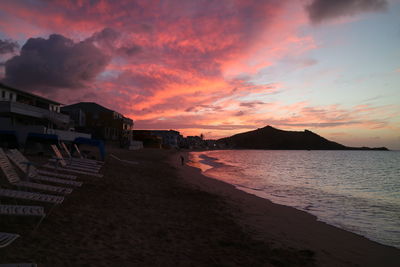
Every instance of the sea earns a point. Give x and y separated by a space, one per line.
358 191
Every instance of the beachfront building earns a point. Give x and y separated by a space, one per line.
147 138
23 113
193 142
102 123
158 138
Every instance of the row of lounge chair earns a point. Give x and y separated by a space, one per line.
63 174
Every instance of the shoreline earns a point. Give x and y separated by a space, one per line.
289 227
159 213
206 162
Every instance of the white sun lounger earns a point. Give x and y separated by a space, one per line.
9 193
61 162
22 210
6 239
79 167
57 162
66 168
56 180
80 159
26 166
89 160
72 164
60 175
50 166
33 171
13 178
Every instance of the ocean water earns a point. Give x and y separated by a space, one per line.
358 191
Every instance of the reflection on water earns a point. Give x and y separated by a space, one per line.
355 190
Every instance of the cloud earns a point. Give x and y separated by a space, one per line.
105 39
322 10
239 113
309 62
157 51
251 104
56 62
109 41
8 46
129 50
187 65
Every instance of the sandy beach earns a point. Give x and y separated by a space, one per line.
159 213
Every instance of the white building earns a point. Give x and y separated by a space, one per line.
25 113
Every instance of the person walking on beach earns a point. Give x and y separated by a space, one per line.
182 160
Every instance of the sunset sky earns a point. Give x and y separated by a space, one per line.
215 67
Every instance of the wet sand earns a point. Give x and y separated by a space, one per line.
159 213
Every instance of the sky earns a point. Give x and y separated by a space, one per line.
215 68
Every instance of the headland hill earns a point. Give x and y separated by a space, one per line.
276 139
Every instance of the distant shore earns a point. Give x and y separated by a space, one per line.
149 210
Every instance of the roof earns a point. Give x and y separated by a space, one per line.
158 131
91 107
88 107
29 94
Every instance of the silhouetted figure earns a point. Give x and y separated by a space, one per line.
182 160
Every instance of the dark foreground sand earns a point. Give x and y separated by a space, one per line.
158 213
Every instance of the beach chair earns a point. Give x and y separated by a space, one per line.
26 166
80 159
6 239
34 171
22 210
57 168
80 167
13 178
17 194
19 210
65 168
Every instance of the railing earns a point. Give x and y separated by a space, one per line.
32 111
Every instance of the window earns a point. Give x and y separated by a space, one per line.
3 94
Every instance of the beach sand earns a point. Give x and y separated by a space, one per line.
159 213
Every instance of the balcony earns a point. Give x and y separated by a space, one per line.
32 111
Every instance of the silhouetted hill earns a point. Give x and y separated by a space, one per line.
272 138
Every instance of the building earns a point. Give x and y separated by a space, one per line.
23 113
102 123
167 138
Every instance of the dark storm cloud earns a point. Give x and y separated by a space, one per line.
108 41
128 50
320 10
57 62
8 46
105 39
